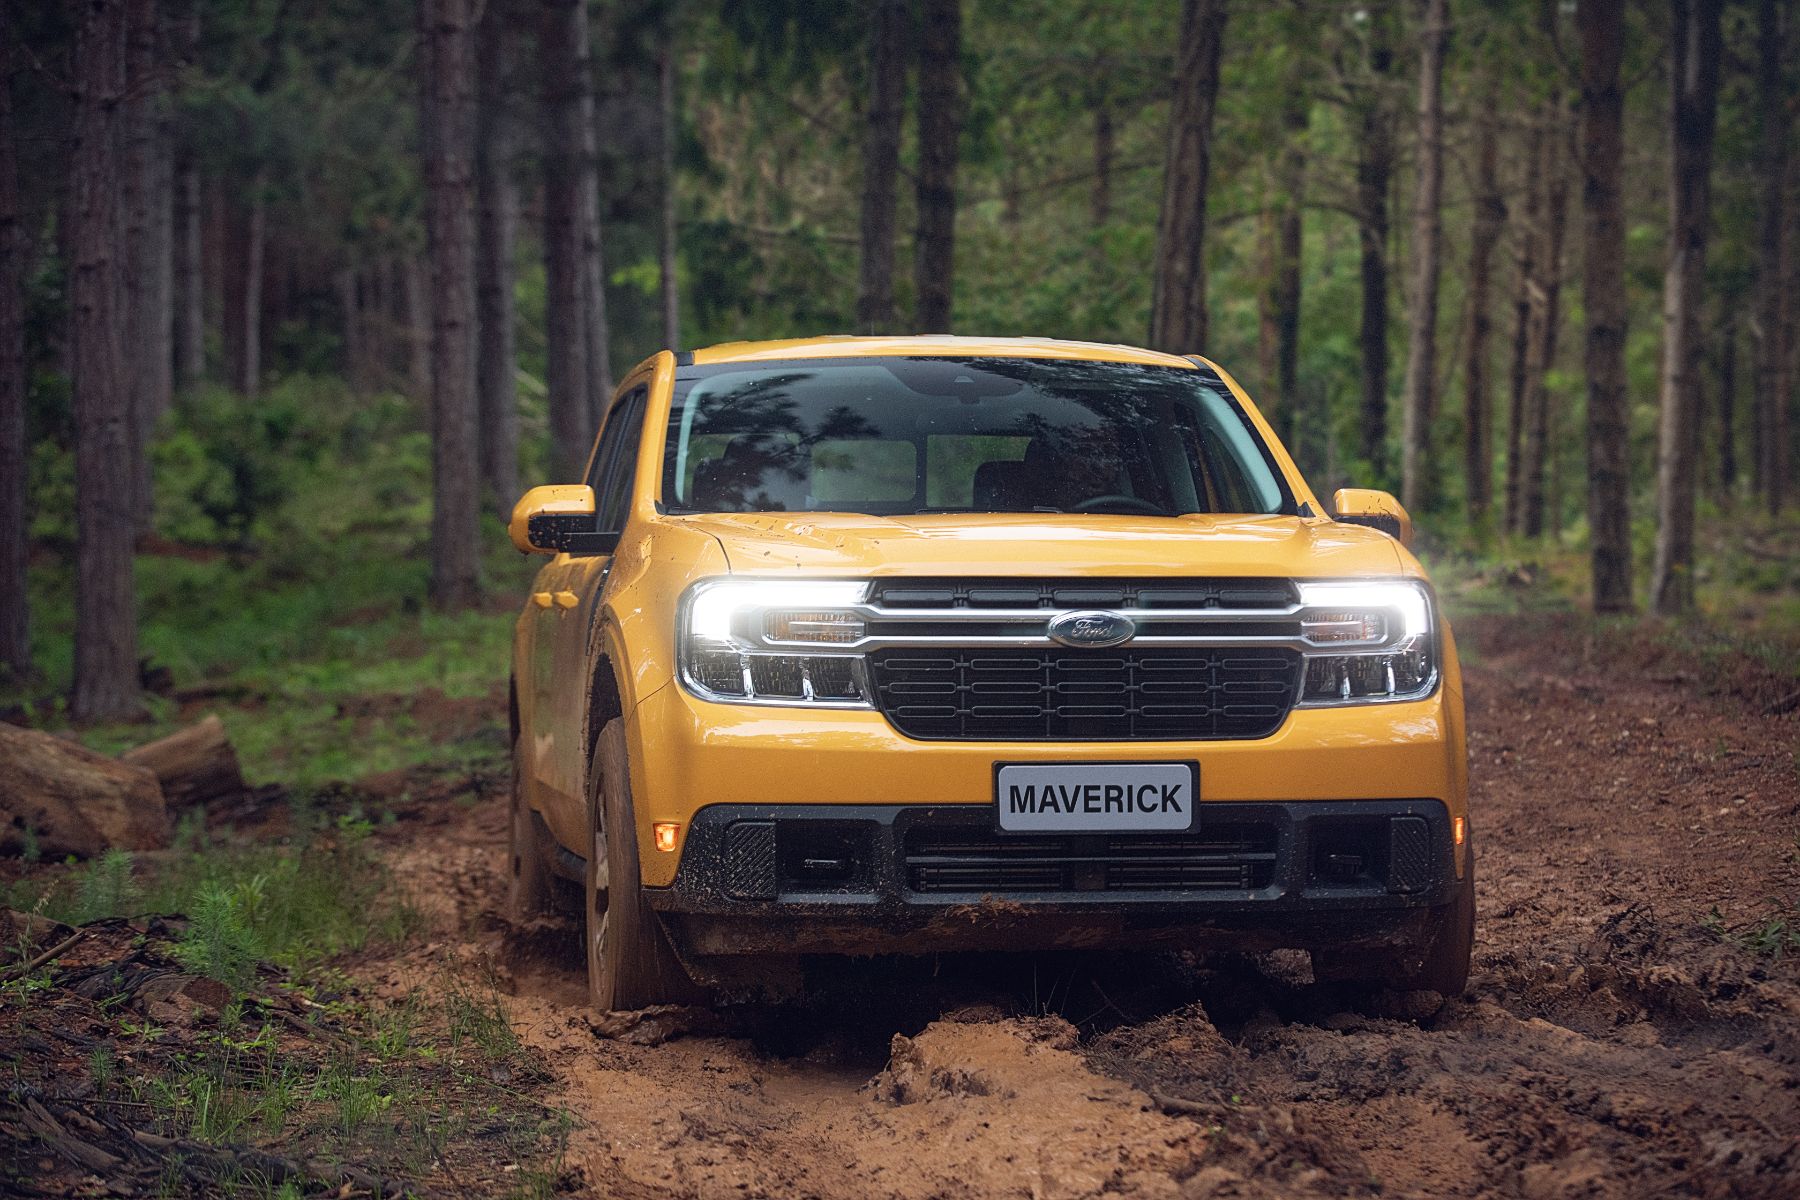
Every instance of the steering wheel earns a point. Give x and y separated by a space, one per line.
1131 502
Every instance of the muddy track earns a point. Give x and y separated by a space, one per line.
1613 1043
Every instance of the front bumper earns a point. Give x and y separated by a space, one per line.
788 879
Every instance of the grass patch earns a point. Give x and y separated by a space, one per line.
322 894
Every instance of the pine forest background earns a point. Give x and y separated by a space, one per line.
297 295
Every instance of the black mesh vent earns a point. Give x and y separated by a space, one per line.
1086 695
1229 856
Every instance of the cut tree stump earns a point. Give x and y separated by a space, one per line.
67 799
193 765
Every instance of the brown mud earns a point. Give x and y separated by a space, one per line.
1625 1034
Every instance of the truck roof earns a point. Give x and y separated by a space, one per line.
841 346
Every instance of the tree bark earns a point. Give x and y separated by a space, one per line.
139 193
1525 282
1601 25
1694 94
1374 176
1178 295
498 219
250 311
447 122
1490 222
1772 300
1728 370
15 633
106 666
1546 323
940 129
563 63
1421 358
1105 150
1300 428
593 275
881 165
668 118
189 282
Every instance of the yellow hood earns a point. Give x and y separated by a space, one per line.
1049 545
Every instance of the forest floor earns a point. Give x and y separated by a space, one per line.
1632 1028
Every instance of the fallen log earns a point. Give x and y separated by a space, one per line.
193 765
58 797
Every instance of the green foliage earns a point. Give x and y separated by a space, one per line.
221 941
294 905
107 888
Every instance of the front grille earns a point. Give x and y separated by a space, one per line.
925 594
1054 694
1228 856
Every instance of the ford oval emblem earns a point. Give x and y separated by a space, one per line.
1092 630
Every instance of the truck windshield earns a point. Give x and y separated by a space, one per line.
904 435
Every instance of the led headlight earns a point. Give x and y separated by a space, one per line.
1376 642
768 641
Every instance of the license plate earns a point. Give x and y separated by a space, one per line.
1096 797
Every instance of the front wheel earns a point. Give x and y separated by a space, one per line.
1440 964
630 962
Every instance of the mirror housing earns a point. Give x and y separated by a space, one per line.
559 518
1376 509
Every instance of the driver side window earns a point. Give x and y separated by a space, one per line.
615 464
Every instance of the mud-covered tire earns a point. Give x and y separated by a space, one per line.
528 880
630 962
1445 969
1439 964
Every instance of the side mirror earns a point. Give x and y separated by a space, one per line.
1376 509
559 518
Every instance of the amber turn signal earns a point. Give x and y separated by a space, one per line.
1458 830
664 832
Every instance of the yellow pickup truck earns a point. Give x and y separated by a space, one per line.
904 645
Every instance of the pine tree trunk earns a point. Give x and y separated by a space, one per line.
1728 366
1105 150
1546 323
1694 93
940 129
1490 222
1525 284
668 118
106 667
1374 177
881 166
1178 295
498 219
250 312
593 275
15 634
563 64
1602 30
1772 296
187 284
1303 427
139 193
447 124
1416 468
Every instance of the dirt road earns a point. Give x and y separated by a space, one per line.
1618 1039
